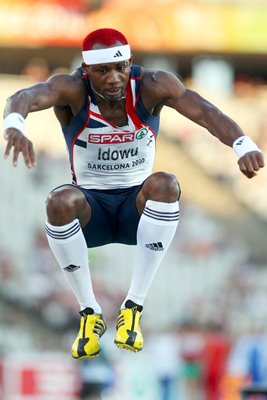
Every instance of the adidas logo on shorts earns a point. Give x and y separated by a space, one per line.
155 246
71 268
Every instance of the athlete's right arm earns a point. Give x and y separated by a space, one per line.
57 91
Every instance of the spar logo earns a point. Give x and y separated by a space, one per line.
111 138
141 133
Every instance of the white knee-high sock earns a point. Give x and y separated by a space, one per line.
70 250
155 232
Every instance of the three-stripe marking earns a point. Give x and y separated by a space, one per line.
64 234
159 215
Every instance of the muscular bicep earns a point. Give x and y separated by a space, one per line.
193 106
162 88
187 102
201 111
43 96
40 96
165 89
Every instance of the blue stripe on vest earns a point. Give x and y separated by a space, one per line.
96 124
80 143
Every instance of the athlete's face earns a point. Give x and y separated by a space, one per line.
109 80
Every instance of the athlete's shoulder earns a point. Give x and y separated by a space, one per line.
67 83
73 78
69 88
157 86
160 81
152 76
149 75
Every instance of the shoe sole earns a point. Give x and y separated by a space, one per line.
127 347
87 356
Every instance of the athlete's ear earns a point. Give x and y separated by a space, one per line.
85 67
131 61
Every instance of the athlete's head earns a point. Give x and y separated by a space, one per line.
105 45
105 36
107 62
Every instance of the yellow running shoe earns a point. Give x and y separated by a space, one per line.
129 335
92 327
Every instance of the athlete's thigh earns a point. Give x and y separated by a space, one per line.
98 231
128 218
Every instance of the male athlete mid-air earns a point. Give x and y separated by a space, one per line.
109 112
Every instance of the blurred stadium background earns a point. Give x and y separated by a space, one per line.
205 319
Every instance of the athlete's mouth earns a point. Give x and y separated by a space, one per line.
114 92
111 95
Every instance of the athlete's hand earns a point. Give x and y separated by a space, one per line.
20 144
251 163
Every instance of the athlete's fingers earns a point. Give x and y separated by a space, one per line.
250 163
260 159
250 174
20 144
13 140
28 153
246 166
16 152
257 161
32 154
8 148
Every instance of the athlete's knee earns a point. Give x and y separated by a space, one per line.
163 187
62 205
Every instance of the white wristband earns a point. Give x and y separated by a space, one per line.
14 120
244 145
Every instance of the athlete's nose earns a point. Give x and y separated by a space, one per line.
113 77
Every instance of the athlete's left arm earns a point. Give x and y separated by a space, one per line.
194 107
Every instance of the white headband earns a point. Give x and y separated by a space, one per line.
108 55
